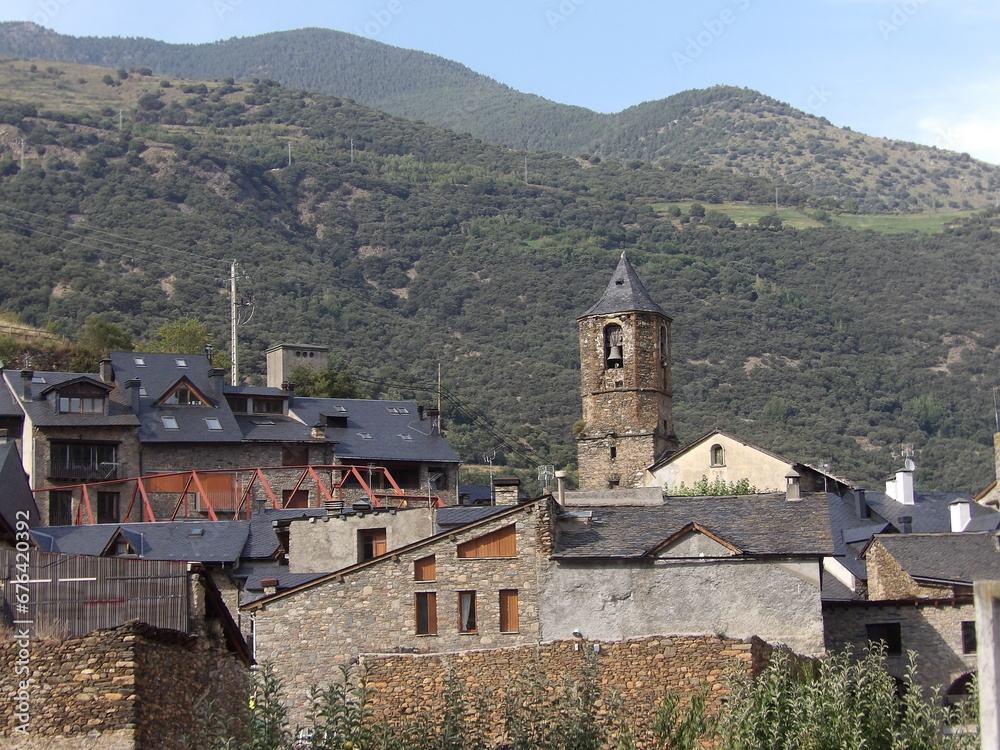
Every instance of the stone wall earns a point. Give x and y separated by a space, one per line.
632 676
130 687
931 629
888 581
371 607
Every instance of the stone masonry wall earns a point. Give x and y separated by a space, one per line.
371 607
933 630
633 676
131 687
888 581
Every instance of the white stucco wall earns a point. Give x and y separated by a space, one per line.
765 472
778 601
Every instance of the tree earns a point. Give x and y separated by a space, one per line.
102 336
329 383
769 221
696 209
188 336
719 220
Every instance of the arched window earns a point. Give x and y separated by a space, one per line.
613 353
718 455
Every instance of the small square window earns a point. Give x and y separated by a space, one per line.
37 379
365 435
169 422
890 633
142 391
180 362
139 361
406 436
214 423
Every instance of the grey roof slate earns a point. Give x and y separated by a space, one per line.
17 501
374 433
253 573
625 293
262 541
217 542
956 558
930 511
8 404
43 413
756 524
459 515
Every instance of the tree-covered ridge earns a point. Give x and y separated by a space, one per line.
725 127
420 247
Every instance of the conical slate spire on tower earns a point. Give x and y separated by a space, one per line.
625 293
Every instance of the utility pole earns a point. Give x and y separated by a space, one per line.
120 121
22 154
234 343
525 169
289 153
352 150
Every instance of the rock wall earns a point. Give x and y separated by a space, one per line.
133 687
632 676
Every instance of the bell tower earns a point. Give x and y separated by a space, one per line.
625 384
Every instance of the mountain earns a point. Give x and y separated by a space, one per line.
726 127
403 247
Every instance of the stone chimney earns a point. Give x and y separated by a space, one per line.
26 376
861 507
434 415
217 378
506 490
289 388
793 485
270 586
961 514
132 388
106 371
905 524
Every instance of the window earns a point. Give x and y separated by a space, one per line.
268 406
440 477
427 613
664 347
371 543
969 644
500 543
87 461
613 358
169 422
508 611
181 362
295 498
294 455
81 405
238 404
613 453
467 611
425 569
214 423
718 455
184 395
139 361
107 507
889 633
60 508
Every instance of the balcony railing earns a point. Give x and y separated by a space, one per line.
86 471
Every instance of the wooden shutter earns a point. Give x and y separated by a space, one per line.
508 611
500 543
426 604
425 569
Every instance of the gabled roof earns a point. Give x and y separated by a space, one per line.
377 430
17 502
42 411
426 542
754 524
699 441
955 558
625 293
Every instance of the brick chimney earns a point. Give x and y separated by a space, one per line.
132 388
106 371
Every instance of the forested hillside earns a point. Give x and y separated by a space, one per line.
419 247
726 127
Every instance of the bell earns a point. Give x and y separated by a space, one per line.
615 357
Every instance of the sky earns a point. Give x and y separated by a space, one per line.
913 70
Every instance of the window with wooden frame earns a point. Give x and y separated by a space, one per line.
60 507
371 543
467 612
184 395
508 611
969 645
425 569
499 543
889 633
426 605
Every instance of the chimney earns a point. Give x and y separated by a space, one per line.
961 514
861 507
793 485
289 388
270 586
420 413
318 431
26 376
216 377
905 524
435 415
561 483
132 387
106 371
506 490
901 488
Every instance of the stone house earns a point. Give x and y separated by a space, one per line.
157 415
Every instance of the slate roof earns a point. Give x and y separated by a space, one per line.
625 293
15 492
252 574
8 404
951 558
217 542
262 541
43 413
756 524
459 515
399 435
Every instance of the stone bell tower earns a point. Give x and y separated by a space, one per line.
626 384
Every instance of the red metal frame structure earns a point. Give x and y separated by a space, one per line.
194 483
